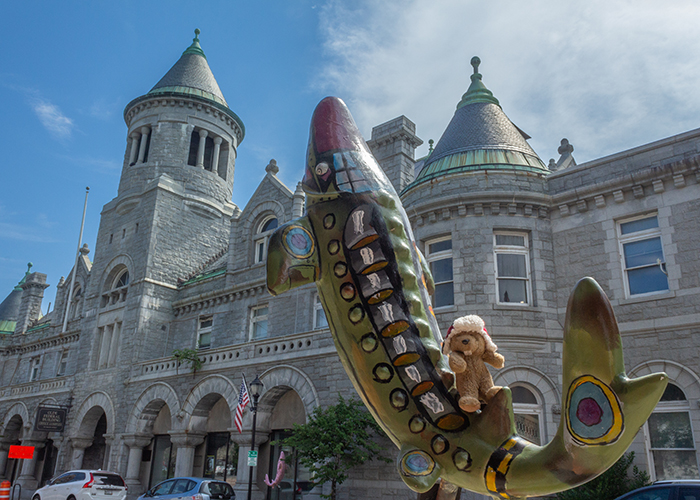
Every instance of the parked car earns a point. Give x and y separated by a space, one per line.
678 489
190 488
83 485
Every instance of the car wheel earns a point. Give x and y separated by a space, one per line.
71 498
36 497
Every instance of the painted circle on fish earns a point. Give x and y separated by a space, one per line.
416 424
333 247
594 416
439 444
340 269
383 373
369 342
417 463
462 459
398 399
329 221
298 242
356 314
347 291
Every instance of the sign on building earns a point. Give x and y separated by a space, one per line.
252 458
50 419
17 451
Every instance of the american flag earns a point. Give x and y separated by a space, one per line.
243 401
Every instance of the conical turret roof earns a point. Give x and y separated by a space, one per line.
191 75
479 137
9 308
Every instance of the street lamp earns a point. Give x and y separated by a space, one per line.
256 388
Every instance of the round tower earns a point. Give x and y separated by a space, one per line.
183 128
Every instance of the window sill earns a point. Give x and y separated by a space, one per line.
670 294
515 307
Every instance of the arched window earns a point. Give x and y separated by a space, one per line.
116 287
669 438
122 280
75 300
262 236
529 418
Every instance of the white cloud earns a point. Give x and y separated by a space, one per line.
606 75
51 117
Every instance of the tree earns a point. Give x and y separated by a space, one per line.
610 484
335 440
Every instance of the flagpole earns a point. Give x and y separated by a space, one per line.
75 266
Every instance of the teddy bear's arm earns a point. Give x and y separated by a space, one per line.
457 362
494 359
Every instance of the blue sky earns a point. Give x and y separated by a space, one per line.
607 75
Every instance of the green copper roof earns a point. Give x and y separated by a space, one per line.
9 308
195 47
479 137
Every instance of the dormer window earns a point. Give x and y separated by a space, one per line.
262 237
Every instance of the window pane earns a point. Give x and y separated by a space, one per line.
689 493
261 311
260 330
206 323
269 225
440 246
647 279
675 464
512 291
510 239
321 321
444 295
642 253
673 393
205 340
511 265
528 427
260 251
523 395
639 225
670 430
441 270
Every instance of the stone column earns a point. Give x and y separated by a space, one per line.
4 450
215 156
26 477
134 147
144 139
107 460
200 150
136 444
243 441
79 445
185 442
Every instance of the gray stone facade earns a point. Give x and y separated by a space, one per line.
194 280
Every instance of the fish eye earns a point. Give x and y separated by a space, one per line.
321 168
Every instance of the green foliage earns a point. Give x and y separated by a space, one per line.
190 356
610 484
335 440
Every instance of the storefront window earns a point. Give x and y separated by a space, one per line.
297 479
221 458
163 461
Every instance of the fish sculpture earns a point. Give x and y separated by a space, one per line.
355 242
281 468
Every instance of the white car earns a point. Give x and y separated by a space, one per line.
83 485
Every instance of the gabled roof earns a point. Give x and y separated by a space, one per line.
191 75
479 136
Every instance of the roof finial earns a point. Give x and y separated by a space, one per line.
29 267
475 63
196 35
430 147
195 48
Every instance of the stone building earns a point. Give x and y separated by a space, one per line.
179 268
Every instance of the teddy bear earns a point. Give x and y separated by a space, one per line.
468 347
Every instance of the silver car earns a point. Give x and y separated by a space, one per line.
83 485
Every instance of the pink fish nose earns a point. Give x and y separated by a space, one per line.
333 128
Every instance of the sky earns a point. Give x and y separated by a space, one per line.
608 76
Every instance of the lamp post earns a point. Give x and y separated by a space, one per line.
256 388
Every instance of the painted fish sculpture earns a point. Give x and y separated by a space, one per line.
356 244
281 468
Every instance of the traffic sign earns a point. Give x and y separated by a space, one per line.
252 458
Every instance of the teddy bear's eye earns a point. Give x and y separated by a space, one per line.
465 341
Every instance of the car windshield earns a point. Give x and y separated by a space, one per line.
108 479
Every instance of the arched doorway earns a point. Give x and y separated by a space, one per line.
11 436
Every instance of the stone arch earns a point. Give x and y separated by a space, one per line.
89 413
280 379
540 384
12 426
115 267
149 404
269 207
202 398
680 375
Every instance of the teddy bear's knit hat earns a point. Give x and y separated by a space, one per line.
465 324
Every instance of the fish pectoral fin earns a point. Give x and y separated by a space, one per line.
417 469
639 396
